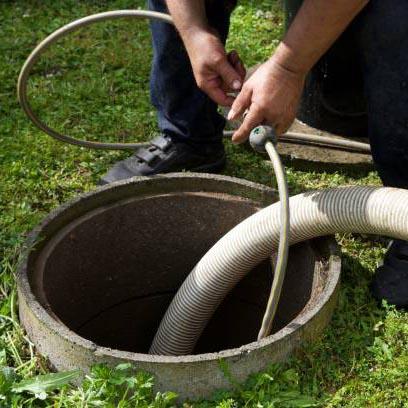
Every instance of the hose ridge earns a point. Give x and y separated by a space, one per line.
359 209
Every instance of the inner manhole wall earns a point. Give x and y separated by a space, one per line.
105 267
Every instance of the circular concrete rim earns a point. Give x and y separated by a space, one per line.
63 331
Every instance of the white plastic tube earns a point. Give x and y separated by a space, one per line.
152 15
368 210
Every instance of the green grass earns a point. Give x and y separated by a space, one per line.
94 86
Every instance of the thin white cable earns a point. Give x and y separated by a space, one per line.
152 15
283 248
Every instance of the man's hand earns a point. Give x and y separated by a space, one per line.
270 96
216 73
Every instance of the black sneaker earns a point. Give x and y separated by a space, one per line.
163 155
391 279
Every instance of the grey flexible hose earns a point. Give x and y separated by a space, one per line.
111 15
51 39
325 141
317 140
283 247
263 139
368 210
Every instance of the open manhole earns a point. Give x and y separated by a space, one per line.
100 272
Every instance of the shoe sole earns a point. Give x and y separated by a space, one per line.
207 168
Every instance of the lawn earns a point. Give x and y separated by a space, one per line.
94 86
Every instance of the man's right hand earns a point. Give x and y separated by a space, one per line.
216 73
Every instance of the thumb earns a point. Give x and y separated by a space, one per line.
229 75
241 103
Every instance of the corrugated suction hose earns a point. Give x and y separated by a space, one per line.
368 210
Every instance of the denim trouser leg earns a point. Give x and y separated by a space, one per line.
184 111
383 38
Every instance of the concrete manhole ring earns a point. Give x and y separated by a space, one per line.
100 271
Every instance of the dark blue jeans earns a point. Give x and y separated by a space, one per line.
381 31
184 112
382 36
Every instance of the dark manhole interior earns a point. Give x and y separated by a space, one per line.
111 275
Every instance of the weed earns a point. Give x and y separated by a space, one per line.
94 85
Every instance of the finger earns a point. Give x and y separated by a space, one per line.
283 125
233 57
234 60
242 102
240 68
280 129
213 88
237 63
219 96
229 75
253 119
